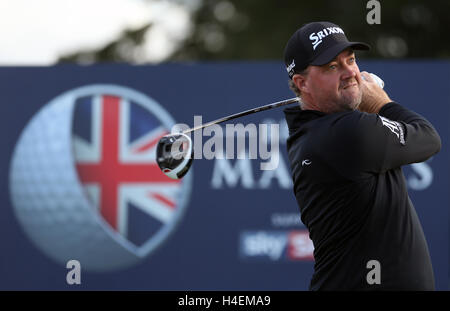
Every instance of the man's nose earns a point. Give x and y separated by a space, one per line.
348 72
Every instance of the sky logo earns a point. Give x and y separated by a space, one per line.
293 245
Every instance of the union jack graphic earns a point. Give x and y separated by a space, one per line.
114 140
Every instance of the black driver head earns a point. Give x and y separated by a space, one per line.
174 155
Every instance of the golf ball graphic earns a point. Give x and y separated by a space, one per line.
84 181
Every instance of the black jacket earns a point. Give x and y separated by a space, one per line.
352 195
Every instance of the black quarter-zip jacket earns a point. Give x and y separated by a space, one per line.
353 199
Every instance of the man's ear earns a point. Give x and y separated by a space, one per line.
300 81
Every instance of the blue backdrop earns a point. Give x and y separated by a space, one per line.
240 227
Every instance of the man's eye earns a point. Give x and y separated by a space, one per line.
352 60
333 67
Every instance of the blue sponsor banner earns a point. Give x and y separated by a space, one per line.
84 202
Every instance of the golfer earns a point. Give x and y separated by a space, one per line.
348 141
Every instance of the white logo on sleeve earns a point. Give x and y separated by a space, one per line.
395 128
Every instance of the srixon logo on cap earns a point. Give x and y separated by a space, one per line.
316 38
291 66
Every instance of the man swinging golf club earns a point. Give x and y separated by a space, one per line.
348 141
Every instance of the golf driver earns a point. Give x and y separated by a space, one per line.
174 153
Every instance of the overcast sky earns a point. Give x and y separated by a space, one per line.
37 32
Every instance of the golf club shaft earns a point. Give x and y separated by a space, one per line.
244 113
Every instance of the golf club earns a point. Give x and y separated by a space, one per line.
174 153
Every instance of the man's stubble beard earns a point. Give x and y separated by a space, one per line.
350 102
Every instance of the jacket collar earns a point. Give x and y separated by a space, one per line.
295 116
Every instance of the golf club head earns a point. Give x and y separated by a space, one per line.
174 155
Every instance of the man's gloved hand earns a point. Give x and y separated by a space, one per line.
373 96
